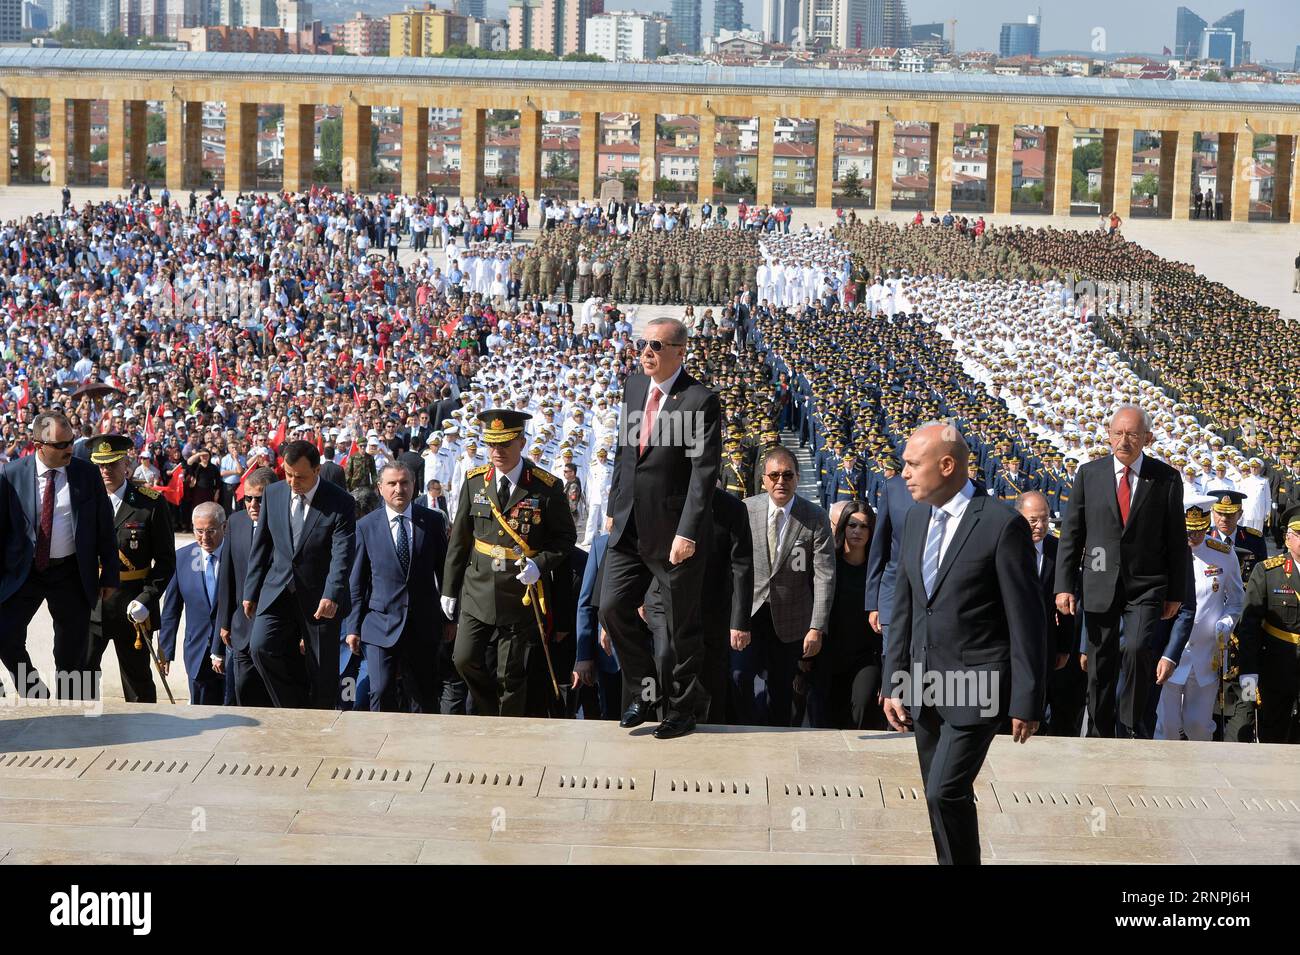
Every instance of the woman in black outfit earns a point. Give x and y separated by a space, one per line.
846 674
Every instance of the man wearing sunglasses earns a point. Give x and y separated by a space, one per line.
56 525
660 506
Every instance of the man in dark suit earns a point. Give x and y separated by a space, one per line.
234 629
195 588
396 622
660 499
1124 542
334 473
57 547
882 558
1066 682
434 499
297 585
968 645
415 464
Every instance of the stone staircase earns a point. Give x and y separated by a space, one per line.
809 483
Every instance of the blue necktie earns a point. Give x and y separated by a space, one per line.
209 584
403 545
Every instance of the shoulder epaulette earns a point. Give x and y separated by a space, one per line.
546 477
148 491
1254 531
481 469
1218 545
1270 562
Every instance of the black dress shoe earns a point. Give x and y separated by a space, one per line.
674 727
635 715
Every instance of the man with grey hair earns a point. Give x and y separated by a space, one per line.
1124 548
968 648
195 588
57 548
229 653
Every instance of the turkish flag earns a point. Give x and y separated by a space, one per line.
174 489
25 397
239 490
277 439
351 451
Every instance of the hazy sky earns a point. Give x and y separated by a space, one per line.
1272 26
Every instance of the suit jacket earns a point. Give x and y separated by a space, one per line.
92 526
230 584
666 492
1145 559
986 614
729 574
588 624
416 464
1060 628
333 473
440 504
318 567
187 591
886 545
387 603
802 578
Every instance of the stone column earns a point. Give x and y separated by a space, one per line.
764 174
241 147
942 135
882 166
357 131
175 145
1176 173
826 161
530 150
1058 169
648 169
58 141
300 146
1225 170
118 110
137 124
80 147
26 139
1243 176
415 149
708 142
471 152
193 145
1109 144
1002 140
1123 196
589 155
1284 201
7 108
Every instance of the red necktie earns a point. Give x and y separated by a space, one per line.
45 532
648 423
1125 496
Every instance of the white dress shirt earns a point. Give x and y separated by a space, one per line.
391 515
954 507
62 539
785 520
665 387
1136 469
212 561
118 498
512 476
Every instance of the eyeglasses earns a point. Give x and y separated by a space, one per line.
57 445
252 497
775 476
656 346
1131 435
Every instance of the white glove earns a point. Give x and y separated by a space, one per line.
137 612
449 607
1249 687
530 574
1223 628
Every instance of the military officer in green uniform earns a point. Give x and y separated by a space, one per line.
1269 637
146 551
513 528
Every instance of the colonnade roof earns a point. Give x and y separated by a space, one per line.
739 80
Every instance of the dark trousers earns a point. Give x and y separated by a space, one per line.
747 706
208 688
845 698
1279 681
1110 664
499 689
717 663
134 665
627 577
250 690
1067 688
782 664
452 692
413 660
59 587
292 678
951 757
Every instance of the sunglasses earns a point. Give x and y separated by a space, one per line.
656 346
775 476
57 445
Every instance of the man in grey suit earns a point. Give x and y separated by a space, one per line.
794 577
